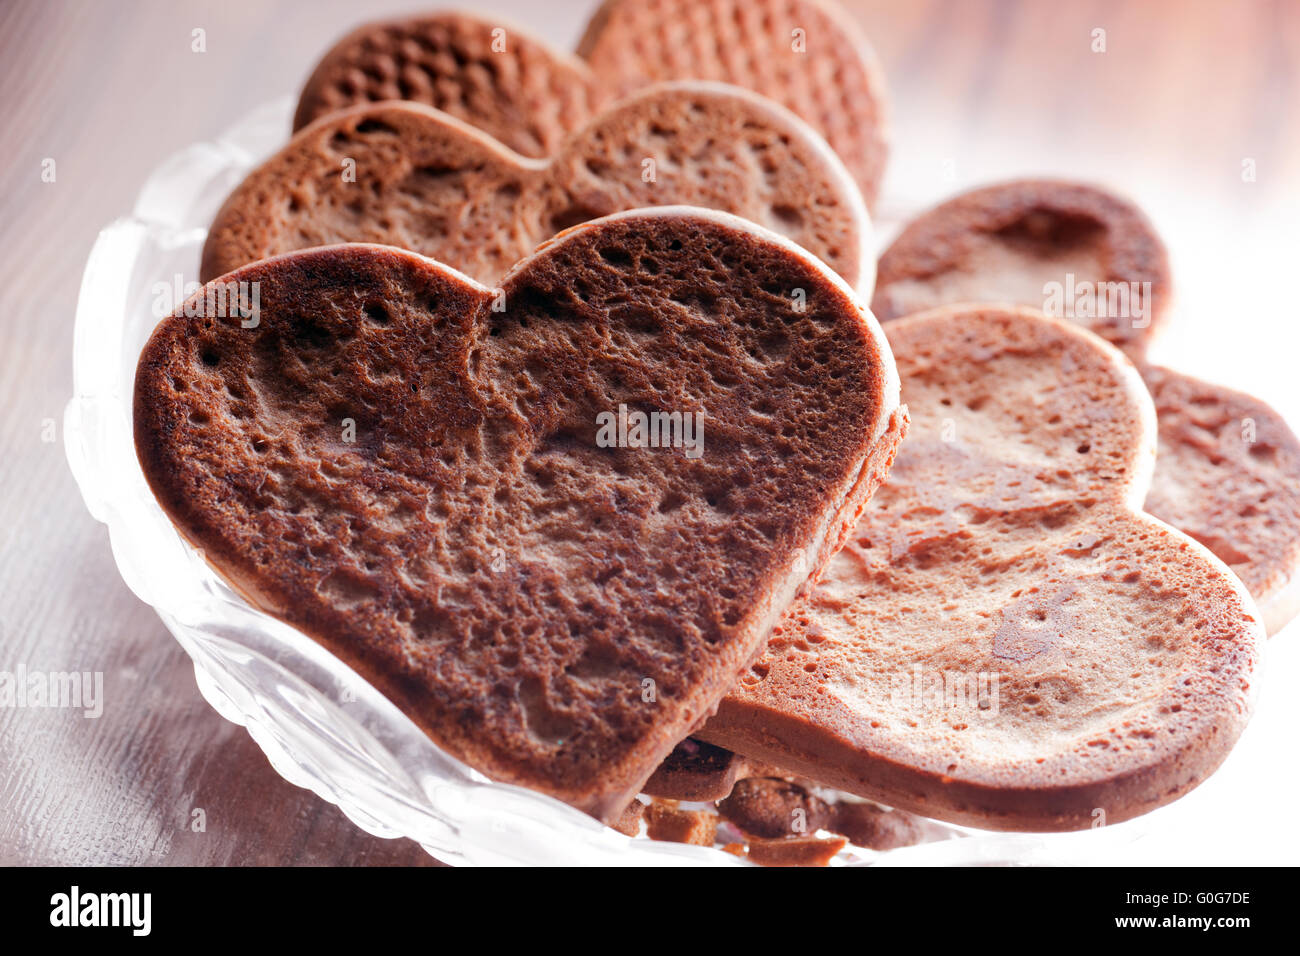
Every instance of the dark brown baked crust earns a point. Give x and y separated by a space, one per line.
527 95
530 97
1117 655
472 551
1002 243
1228 474
407 175
834 82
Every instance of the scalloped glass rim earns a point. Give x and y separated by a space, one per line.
321 726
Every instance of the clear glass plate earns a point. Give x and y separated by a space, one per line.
322 726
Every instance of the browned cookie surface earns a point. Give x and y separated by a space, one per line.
405 175
718 146
808 55
1071 249
491 513
394 174
1020 241
1006 640
486 73
1228 474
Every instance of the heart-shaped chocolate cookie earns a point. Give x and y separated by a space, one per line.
808 55
1007 640
553 522
1228 472
406 175
488 73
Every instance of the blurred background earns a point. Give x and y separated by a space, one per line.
1193 109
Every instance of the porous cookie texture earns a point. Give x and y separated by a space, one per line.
808 55
1022 241
1006 640
409 176
488 73
415 476
1070 249
1228 474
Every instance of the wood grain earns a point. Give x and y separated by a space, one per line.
981 90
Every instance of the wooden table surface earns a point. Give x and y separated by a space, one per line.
1184 92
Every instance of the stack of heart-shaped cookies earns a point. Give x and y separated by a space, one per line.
411 468
557 411
1228 471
